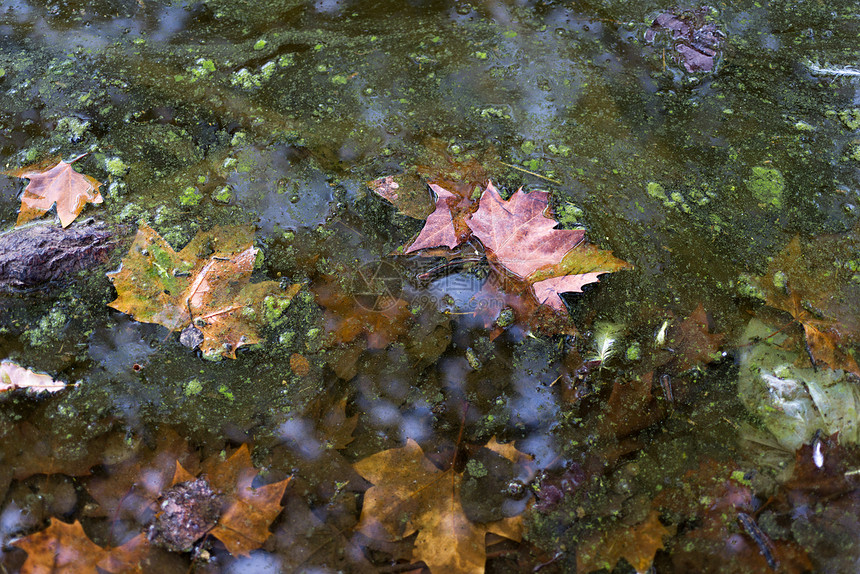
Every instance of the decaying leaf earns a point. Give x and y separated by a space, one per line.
637 545
299 365
692 342
187 511
406 192
247 512
205 285
712 498
304 543
410 494
136 480
56 183
811 283
632 407
696 43
335 428
14 377
27 449
64 548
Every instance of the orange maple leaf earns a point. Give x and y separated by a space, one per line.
248 512
64 548
58 184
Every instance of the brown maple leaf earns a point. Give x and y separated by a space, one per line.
410 494
55 183
205 287
247 512
692 342
811 284
64 548
637 545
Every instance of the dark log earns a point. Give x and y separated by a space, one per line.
42 254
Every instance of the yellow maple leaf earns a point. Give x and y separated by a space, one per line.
205 286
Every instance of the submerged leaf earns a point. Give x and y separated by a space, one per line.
410 494
347 317
637 545
405 192
64 548
247 512
815 283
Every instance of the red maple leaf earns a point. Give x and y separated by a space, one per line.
521 241
447 225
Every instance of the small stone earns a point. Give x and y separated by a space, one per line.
188 511
191 337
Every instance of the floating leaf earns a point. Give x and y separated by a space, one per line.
696 42
521 240
204 287
58 184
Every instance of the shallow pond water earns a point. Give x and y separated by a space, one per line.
693 143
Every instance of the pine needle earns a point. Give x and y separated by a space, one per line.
512 166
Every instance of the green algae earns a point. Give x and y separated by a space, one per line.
767 185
